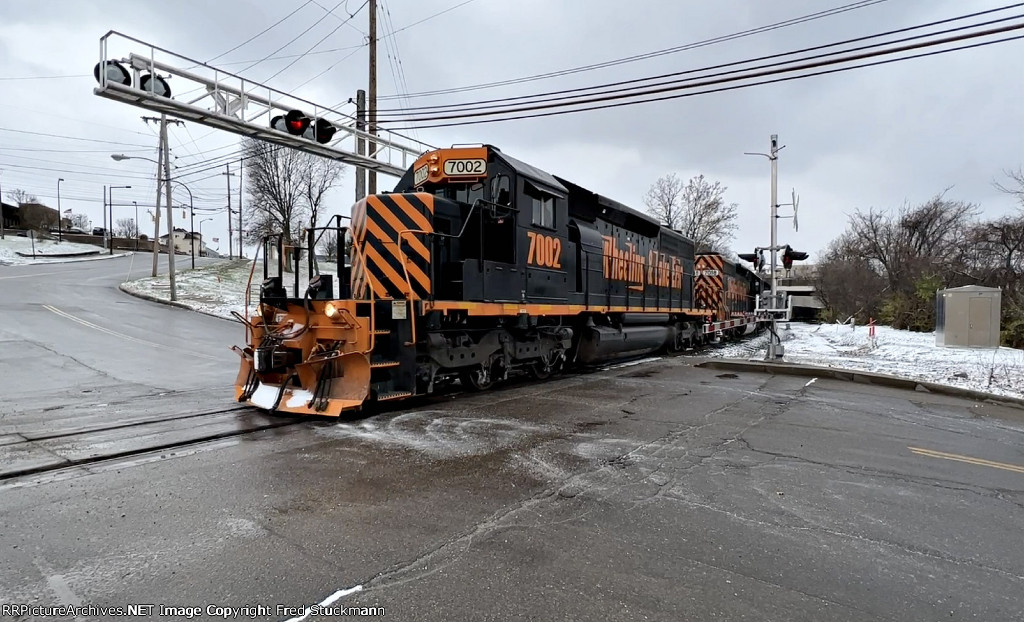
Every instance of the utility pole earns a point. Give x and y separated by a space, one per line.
227 172
241 255
775 218
170 208
156 208
360 143
372 186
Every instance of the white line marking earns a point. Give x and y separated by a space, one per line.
810 382
25 276
114 333
327 602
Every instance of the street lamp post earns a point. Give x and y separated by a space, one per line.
59 235
117 157
191 210
136 204
111 219
201 233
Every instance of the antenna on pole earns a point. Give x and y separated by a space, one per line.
796 207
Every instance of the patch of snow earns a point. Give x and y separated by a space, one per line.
264 396
45 250
632 363
895 352
299 397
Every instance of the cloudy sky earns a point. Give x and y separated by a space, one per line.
874 137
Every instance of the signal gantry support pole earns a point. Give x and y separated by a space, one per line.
372 185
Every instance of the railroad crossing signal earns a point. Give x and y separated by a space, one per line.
115 72
297 123
789 256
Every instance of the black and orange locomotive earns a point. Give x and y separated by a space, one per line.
477 265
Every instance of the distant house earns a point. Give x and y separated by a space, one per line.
11 216
37 216
185 242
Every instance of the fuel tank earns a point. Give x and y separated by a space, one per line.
604 343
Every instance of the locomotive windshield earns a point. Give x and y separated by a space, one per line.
462 193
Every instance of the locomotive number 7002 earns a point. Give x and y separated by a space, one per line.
545 250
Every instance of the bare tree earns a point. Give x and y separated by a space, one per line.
274 175
81 221
286 189
20 196
126 228
707 219
697 209
320 175
663 200
1014 186
329 244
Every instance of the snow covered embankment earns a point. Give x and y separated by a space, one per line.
895 352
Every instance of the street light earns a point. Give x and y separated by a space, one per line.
136 204
201 232
110 196
118 157
192 224
59 236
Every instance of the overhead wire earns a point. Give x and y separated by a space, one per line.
732 87
671 50
262 32
505 105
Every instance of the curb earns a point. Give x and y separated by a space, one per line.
69 258
863 377
171 303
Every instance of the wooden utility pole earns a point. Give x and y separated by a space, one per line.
360 143
227 173
372 185
241 255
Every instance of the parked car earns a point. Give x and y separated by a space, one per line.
99 231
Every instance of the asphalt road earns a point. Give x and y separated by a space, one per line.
656 491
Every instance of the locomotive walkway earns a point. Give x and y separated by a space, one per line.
656 491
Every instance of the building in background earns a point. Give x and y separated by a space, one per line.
183 243
797 283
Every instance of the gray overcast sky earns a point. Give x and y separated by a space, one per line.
875 137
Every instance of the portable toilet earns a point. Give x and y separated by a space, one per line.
968 317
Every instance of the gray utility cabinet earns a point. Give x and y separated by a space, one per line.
968 317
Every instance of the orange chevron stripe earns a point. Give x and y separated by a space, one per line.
398 226
421 221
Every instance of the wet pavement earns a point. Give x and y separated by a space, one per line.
656 491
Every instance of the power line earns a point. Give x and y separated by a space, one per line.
77 75
672 50
91 140
505 103
336 28
262 32
760 83
296 38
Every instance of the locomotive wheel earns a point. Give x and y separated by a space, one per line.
477 380
537 371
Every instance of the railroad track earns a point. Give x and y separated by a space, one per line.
31 452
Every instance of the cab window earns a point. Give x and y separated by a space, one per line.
543 206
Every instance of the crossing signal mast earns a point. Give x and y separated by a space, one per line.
141 74
775 306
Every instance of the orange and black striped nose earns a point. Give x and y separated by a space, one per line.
393 233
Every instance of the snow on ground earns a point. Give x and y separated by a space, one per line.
11 245
216 289
895 352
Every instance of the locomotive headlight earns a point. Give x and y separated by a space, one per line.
330 310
